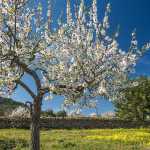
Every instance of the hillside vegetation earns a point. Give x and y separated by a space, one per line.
7 105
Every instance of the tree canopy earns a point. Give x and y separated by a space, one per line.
136 103
79 60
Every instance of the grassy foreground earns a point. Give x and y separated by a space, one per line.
116 139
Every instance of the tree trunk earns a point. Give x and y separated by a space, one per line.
35 133
35 125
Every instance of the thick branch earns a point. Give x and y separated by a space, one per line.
22 84
32 73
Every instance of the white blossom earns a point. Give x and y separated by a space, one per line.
79 56
21 112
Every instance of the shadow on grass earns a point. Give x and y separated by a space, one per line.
68 144
9 144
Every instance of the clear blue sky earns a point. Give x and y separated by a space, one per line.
129 14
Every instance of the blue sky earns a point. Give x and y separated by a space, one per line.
129 14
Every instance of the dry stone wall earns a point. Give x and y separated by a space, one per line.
71 123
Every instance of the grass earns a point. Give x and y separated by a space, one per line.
97 139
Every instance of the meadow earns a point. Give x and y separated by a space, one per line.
75 139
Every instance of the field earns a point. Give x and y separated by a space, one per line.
116 139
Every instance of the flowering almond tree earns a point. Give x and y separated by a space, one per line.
87 56
78 60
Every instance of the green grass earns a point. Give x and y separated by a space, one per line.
116 139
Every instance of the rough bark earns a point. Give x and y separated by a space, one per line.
35 125
35 134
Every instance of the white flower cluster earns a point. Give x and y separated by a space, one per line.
80 54
20 112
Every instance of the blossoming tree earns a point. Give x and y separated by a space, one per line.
78 60
89 57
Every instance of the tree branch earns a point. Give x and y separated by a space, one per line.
30 72
22 84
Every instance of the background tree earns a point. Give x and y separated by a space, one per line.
136 103
61 113
48 113
78 60
20 112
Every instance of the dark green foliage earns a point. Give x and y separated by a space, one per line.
48 113
61 113
51 113
7 105
136 105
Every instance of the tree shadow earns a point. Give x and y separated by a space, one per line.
9 144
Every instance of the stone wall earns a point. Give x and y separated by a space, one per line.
69 123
